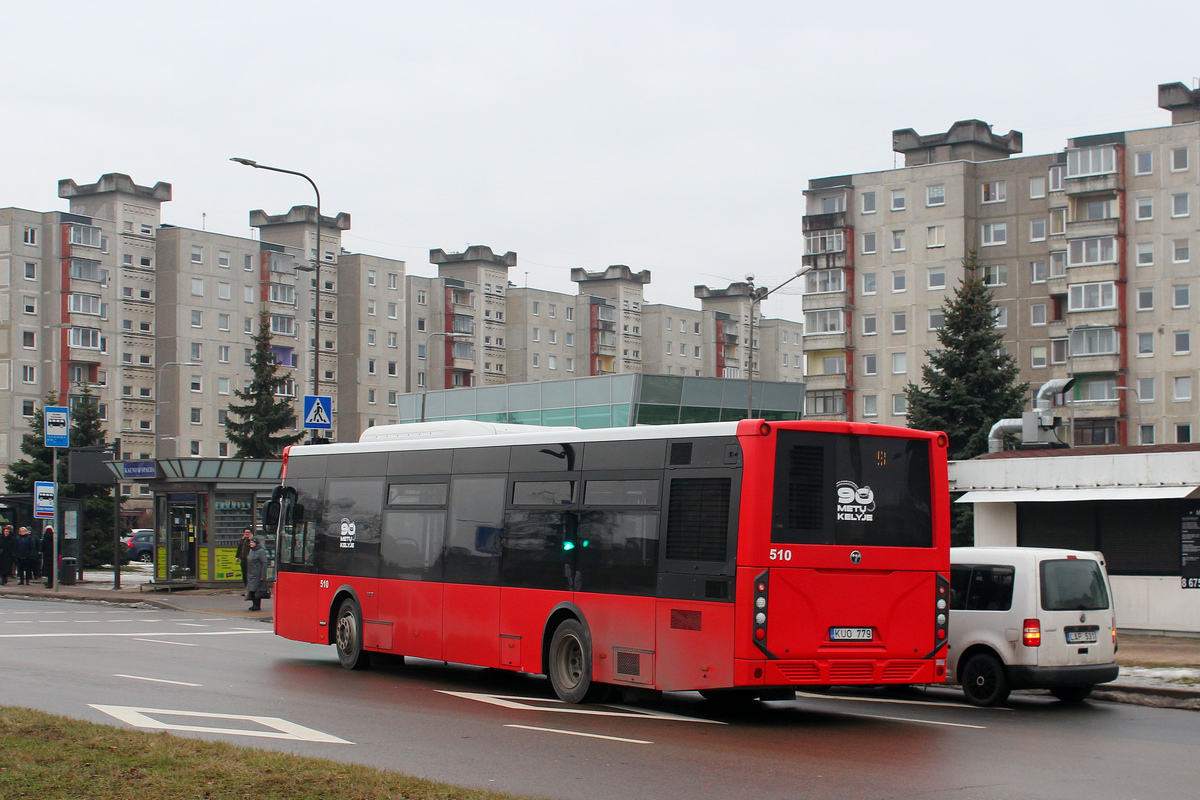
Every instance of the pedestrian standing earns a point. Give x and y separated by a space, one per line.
243 552
48 557
256 583
7 540
26 551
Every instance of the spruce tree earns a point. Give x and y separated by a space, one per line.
263 413
967 384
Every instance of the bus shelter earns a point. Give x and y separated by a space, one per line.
201 507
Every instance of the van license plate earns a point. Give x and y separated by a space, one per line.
1081 637
851 635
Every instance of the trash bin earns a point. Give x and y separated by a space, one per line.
66 572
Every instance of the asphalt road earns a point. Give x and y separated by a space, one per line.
221 677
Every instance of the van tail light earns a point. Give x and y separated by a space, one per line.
1114 630
1031 633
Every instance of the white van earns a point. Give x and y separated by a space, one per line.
1029 618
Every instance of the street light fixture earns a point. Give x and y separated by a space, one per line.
757 295
450 336
158 390
316 390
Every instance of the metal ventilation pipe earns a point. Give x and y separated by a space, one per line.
996 434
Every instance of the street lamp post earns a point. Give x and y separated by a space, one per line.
158 390
1137 406
316 273
757 295
425 385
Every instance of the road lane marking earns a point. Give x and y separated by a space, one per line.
910 719
159 641
579 733
154 680
897 701
556 706
193 624
277 728
128 635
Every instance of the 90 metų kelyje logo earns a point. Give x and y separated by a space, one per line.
348 531
855 503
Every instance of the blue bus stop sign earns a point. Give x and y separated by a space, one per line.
57 426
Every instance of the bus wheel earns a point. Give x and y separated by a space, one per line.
983 681
349 637
571 663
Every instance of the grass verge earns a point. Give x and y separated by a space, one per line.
47 757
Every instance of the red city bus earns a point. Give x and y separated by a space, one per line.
739 559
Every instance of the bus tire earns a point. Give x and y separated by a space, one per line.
570 663
348 632
983 680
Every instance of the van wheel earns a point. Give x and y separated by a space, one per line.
570 664
983 681
1071 694
349 637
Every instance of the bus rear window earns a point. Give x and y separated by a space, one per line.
869 491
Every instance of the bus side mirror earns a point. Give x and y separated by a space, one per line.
271 515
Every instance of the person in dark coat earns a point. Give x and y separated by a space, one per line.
7 540
48 556
243 553
25 550
256 578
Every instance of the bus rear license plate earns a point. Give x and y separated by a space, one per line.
1081 637
850 635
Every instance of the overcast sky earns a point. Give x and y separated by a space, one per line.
675 137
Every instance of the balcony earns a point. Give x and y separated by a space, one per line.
832 380
1089 228
834 340
823 222
1093 184
824 301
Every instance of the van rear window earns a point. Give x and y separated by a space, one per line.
1075 584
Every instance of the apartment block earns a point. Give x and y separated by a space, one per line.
1087 252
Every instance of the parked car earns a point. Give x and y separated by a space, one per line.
1029 618
140 546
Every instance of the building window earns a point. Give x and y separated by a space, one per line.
995 233
869 325
197 287
870 364
1058 351
817 322
817 282
29 340
1001 316
195 351
28 374
994 192
1058 221
1144 208
937 278
868 283
1181 296
899 282
1056 179
197 318
828 401
1180 207
1147 434
1091 161
899 405
868 202
1181 251
868 243
1095 431
935 236
899 322
1085 252
935 194
1093 342
1183 342
224 290
195 416
897 241
1145 298
1179 159
370 277
897 199
1143 163
1183 433
1183 388
1037 357
995 275
1091 296
1037 187
1037 271
29 303
223 259
937 319
30 236
1145 345
197 254
1037 230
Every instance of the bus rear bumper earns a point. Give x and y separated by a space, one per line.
837 672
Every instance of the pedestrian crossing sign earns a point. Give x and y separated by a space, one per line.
318 412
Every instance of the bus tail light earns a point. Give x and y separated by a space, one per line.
761 607
1031 633
941 614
